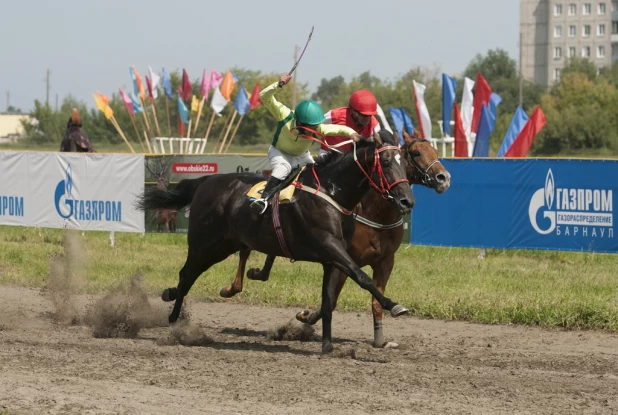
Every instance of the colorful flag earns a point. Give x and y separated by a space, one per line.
138 86
382 117
101 105
517 125
195 104
481 145
524 140
448 98
234 77
204 86
127 102
149 86
104 99
227 86
254 99
155 80
167 84
401 120
187 88
422 112
461 143
218 102
241 103
467 109
136 105
215 79
482 95
183 112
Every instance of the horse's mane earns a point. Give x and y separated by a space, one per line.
333 157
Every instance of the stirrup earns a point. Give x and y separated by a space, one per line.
259 206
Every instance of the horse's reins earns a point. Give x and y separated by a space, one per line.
425 178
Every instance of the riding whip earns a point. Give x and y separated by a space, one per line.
301 56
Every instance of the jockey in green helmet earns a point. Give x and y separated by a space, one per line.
287 149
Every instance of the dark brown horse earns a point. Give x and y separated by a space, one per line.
378 234
314 226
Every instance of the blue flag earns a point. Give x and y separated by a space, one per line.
241 103
167 84
401 120
481 145
517 124
448 98
134 79
234 77
136 105
183 111
494 101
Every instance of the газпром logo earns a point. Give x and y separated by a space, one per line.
572 212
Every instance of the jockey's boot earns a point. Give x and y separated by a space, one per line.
259 205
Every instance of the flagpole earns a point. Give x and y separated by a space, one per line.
214 150
199 114
139 138
169 124
115 124
154 111
233 134
212 118
145 115
227 132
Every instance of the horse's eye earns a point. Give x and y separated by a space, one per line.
416 153
386 163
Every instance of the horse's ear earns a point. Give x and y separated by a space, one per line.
417 134
377 139
406 137
396 136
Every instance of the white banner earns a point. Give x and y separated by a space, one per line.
76 191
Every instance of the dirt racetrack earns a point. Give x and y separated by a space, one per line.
439 367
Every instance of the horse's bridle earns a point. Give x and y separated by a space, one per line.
425 178
384 186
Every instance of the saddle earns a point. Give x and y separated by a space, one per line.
285 189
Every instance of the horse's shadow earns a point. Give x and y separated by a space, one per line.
263 334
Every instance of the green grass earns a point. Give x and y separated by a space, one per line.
122 147
546 288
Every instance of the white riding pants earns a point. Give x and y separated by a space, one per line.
283 163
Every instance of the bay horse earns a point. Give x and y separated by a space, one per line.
378 234
315 226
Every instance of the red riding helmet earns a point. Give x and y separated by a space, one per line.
364 102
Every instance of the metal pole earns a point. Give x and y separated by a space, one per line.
521 77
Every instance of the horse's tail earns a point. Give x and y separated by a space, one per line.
181 196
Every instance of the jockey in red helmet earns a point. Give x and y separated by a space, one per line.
358 115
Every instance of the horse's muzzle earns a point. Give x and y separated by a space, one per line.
405 205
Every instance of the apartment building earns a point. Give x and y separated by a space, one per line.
551 31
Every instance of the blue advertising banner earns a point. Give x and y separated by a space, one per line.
521 203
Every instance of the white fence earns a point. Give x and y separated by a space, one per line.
183 145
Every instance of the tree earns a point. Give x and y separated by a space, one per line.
580 65
495 65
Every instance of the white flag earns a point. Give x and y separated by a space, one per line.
387 126
467 106
155 80
421 110
218 101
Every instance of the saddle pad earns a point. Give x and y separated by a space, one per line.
285 195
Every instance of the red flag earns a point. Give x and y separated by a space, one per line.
187 88
461 144
523 142
255 100
482 96
181 127
149 84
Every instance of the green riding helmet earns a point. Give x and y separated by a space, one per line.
309 112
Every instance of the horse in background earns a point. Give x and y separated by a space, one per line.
162 217
75 140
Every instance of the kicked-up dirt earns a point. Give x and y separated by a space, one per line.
116 354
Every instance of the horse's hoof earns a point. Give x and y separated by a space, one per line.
379 344
327 347
226 293
253 274
302 316
399 310
169 294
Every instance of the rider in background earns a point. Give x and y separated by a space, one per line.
75 140
358 115
287 148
